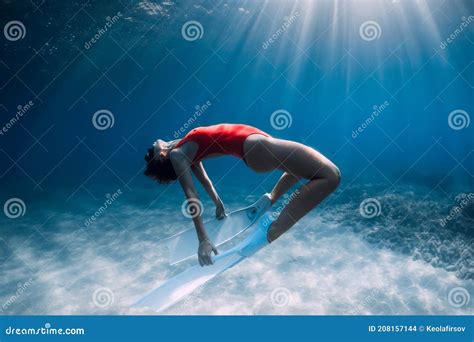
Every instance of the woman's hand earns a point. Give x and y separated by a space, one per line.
220 211
205 252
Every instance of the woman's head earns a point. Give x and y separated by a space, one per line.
159 165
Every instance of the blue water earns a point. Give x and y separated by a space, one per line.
390 104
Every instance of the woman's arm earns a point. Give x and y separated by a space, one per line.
182 168
204 179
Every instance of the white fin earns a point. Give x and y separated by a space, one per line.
184 245
183 284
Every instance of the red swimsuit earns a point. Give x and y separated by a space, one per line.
220 139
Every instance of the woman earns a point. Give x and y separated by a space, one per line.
178 159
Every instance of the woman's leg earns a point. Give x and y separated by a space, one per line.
306 198
265 154
285 182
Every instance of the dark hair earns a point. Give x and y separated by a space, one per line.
160 169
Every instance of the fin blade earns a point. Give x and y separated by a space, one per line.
183 284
